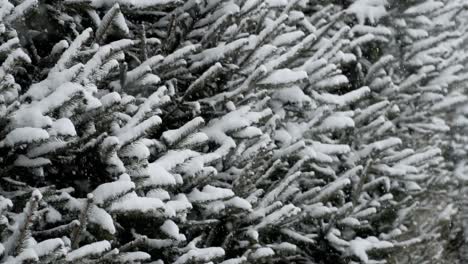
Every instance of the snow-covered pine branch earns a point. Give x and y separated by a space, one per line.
233 131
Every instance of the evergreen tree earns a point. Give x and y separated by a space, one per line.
232 131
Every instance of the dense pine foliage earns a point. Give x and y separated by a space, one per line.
233 131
